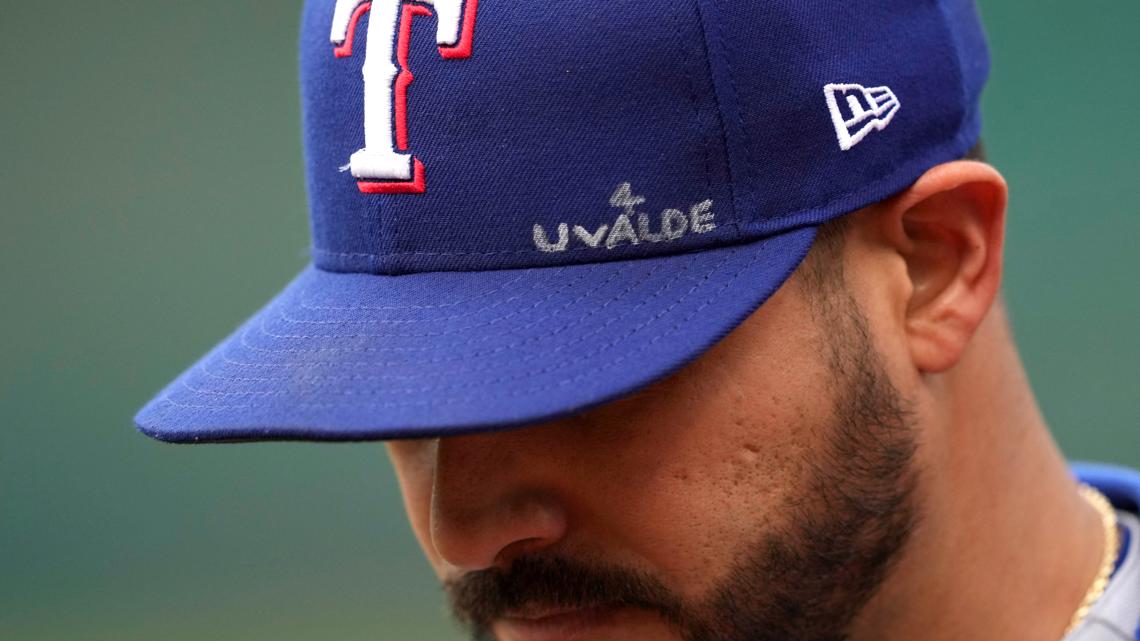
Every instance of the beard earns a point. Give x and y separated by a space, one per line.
806 581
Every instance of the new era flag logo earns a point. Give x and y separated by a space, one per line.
856 110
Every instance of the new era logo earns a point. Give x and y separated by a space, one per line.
856 110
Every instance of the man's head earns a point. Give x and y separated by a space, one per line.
766 491
566 210
576 288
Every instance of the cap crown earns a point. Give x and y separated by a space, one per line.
469 135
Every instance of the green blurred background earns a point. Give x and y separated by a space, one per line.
151 196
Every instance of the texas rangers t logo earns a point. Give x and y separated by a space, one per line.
384 166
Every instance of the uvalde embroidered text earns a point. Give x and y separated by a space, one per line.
671 225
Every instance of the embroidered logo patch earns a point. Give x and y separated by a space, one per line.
860 111
384 165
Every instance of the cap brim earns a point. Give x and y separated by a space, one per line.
344 357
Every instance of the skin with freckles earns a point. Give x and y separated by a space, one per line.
861 459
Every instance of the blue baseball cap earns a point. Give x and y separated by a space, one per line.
521 211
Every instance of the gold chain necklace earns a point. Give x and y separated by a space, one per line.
1111 549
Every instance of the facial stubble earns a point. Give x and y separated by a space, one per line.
844 529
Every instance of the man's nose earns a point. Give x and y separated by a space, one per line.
492 501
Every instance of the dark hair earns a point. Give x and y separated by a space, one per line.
977 152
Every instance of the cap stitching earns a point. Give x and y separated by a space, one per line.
593 311
719 112
534 305
323 252
960 62
692 93
455 303
730 54
166 397
519 294
517 376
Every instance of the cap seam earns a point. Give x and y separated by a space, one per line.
518 392
332 254
963 95
692 94
550 314
720 113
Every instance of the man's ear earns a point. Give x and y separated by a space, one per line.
948 228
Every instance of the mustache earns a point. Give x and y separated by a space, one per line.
480 598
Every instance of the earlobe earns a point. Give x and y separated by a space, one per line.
948 228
